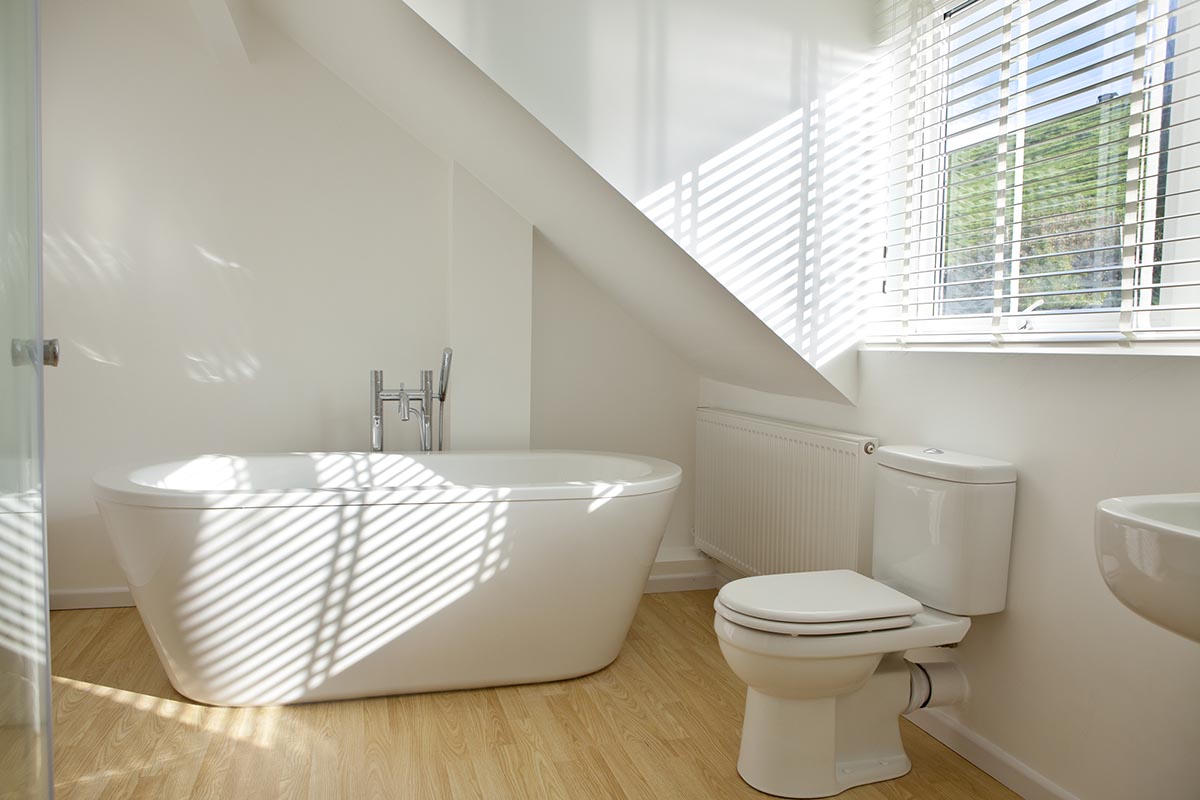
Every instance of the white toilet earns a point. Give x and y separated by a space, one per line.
822 652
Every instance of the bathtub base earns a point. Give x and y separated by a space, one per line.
254 606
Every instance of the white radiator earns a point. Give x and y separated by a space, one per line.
773 496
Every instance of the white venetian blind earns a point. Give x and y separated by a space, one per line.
1044 174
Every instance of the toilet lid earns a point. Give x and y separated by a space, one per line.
810 628
839 595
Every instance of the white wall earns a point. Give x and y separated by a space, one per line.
1066 679
490 296
601 381
646 90
228 250
743 130
388 53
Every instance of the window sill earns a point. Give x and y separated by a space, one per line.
1058 346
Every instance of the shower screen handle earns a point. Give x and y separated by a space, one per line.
24 351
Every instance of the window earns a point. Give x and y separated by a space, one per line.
1043 181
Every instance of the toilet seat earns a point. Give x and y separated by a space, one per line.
929 628
811 628
840 600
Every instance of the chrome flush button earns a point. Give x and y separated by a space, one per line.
933 451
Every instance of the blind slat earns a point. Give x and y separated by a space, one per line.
1180 333
905 76
1060 214
1064 137
1084 91
1162 195
1057 293
1113 310
1112 226
935 90
1052 274
1150 263
981 88
1162 107
1057 254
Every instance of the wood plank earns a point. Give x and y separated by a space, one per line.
663 721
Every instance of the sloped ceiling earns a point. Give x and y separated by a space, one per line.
388 53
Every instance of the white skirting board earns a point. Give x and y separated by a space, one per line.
981 752
726 573
681 569
112 597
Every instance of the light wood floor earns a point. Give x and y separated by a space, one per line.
662 722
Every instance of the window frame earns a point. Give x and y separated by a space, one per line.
1123 326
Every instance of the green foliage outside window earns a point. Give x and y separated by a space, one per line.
1070 211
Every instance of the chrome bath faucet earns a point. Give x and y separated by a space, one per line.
419 403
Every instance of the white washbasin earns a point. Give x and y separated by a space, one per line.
1149 553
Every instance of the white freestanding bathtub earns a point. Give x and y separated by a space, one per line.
271 579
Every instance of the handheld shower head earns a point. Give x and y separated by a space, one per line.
444 382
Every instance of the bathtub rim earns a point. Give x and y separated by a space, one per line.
115 485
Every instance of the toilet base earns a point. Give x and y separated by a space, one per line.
820 747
